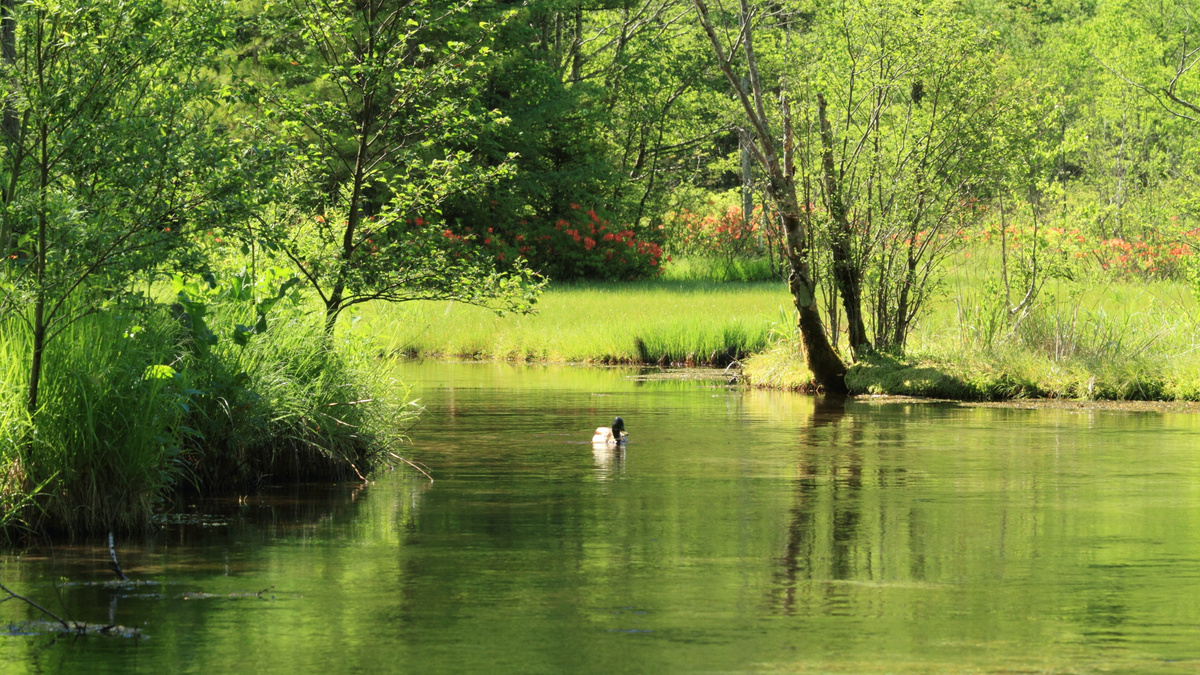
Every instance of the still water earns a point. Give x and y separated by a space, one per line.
740 531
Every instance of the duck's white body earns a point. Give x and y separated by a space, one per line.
605 436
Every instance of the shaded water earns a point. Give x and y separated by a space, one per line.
740 531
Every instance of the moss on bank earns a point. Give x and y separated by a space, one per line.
998 376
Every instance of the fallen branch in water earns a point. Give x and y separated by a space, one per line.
410 463
31 603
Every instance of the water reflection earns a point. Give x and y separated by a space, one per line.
742 531
610 460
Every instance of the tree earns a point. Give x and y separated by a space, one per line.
106 156
373 103
774 154
899 136
611 110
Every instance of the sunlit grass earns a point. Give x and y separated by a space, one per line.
1088 337
723 269
681 321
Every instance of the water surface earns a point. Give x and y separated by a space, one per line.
740 531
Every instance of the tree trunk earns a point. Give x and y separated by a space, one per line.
39 304
39 347
333 307
826 366
845 272
902 303
747 177
8 56
9 124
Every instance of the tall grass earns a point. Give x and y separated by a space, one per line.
288 408
722 269
131 413
650 322
100 447
1088 337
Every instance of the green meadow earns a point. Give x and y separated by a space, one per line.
696 322
1090 338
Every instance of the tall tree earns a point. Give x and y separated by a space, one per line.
774 154
374 100
106 155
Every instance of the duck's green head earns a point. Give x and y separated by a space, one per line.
618 427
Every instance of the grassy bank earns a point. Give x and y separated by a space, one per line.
133 414
1096 339
684 322
1089 338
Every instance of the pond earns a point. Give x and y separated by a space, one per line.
739 530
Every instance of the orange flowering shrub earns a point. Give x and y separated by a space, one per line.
1161 259
721 233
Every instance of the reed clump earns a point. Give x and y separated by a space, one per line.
133 413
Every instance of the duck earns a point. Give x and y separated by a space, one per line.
611 436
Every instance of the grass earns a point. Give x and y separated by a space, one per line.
720 269
684 322
1090 338
132 414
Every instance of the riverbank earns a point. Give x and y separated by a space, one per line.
1131 340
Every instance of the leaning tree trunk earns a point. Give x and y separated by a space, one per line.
827 368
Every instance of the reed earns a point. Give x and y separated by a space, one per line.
132 414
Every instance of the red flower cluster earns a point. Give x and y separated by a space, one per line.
581 244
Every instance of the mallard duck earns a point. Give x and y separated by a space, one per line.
611 436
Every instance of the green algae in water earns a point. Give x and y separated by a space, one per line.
739 531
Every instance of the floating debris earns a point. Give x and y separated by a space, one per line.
34 628
199 519
200 595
